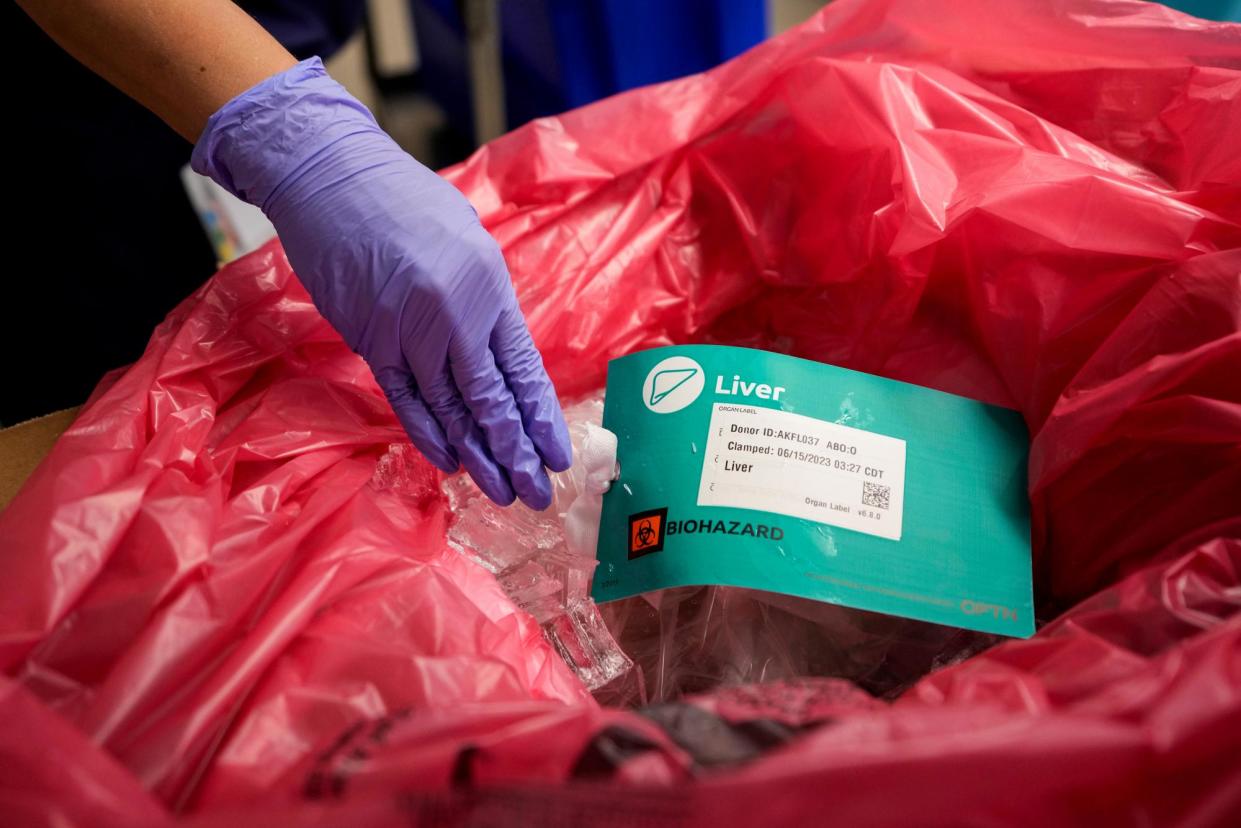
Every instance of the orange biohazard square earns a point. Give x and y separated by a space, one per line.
646 532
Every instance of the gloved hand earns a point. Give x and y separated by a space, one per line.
395 258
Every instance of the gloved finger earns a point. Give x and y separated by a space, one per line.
522 366
489 400
423 429
440 394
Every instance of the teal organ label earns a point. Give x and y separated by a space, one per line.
753 469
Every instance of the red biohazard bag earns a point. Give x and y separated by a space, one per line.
209 614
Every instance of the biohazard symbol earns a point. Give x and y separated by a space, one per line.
646 532
645 536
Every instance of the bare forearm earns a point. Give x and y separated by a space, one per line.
182 59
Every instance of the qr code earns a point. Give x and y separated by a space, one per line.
876 494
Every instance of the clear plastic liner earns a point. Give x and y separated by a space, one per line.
692 640
543 560
402 469
685 640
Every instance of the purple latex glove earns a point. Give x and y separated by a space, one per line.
396 260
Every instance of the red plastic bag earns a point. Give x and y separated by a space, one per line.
208 611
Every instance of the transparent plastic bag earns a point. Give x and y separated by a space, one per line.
544 560
692 640
686 640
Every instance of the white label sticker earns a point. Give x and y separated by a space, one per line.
790 464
